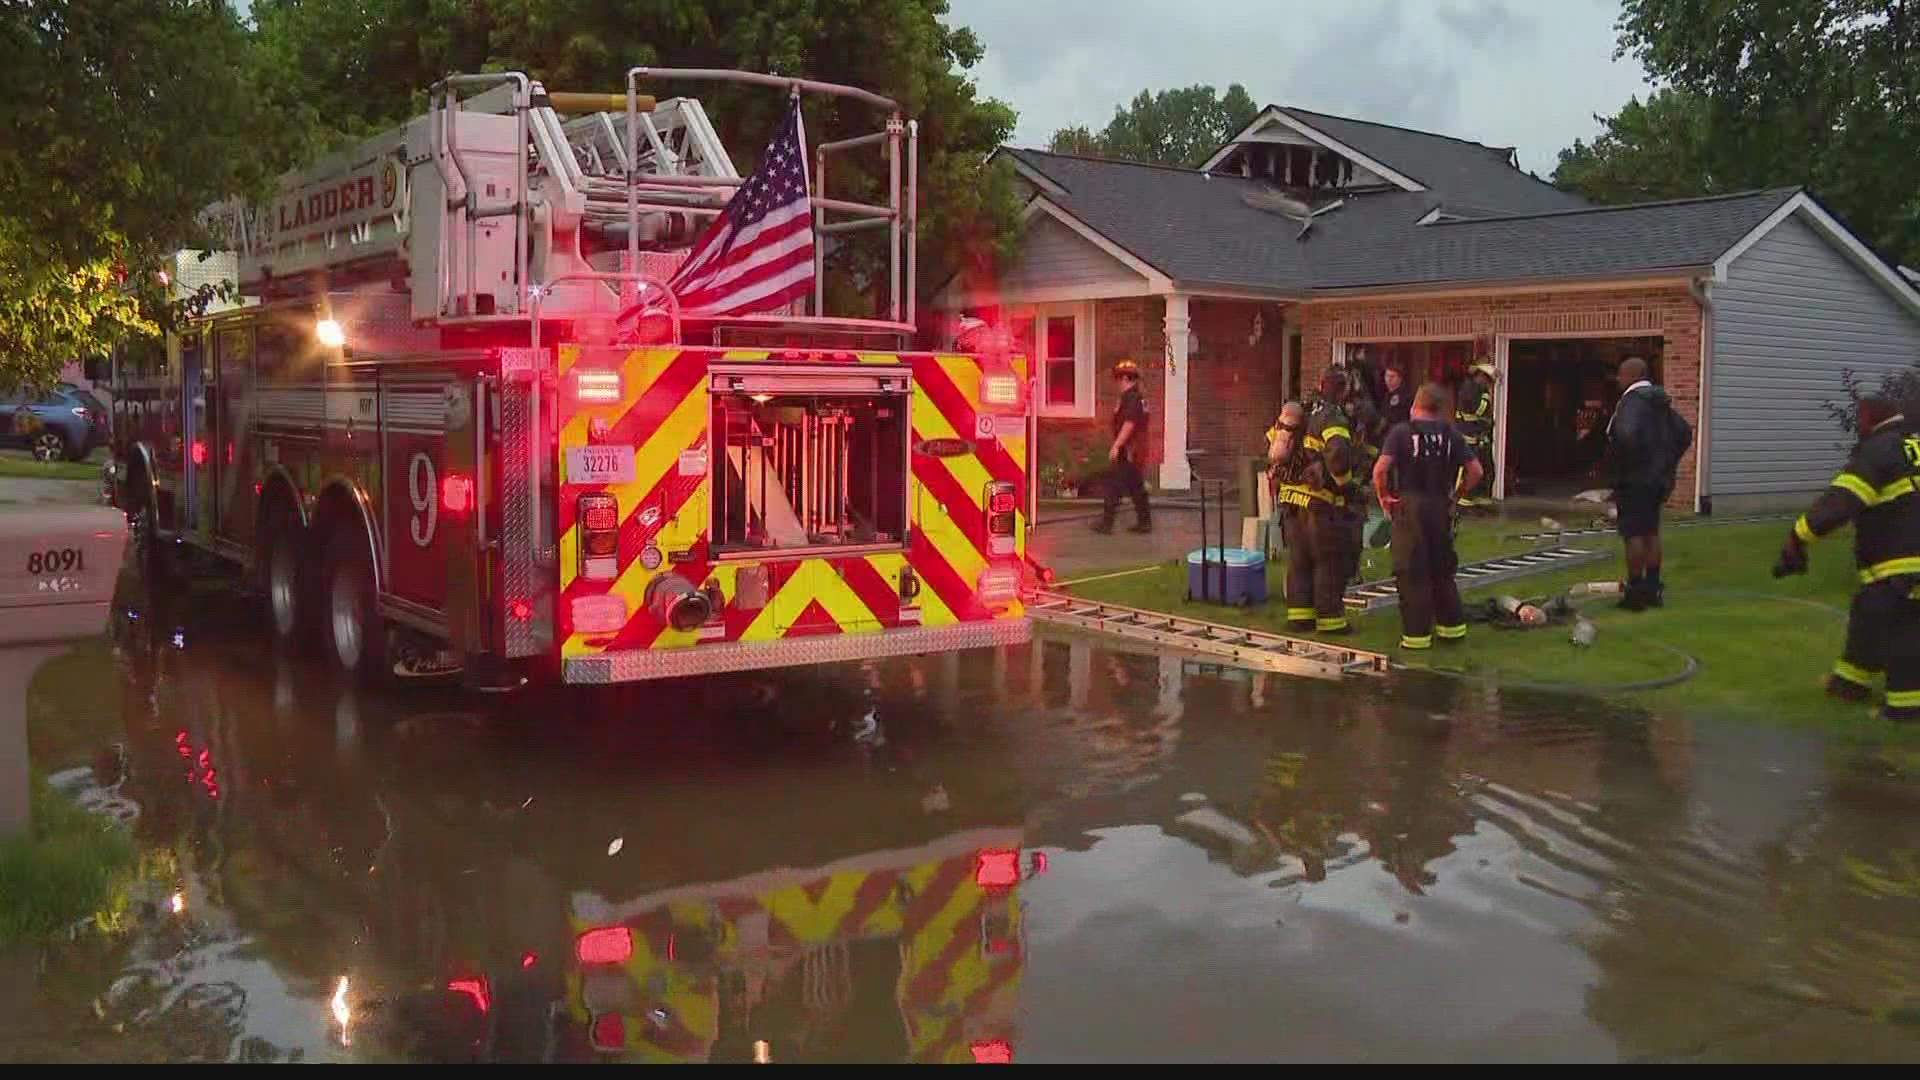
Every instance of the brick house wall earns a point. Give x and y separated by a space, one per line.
1233 385
1666 310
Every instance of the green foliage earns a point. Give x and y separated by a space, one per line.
1183 126
1662 149
122 120
341 68
1764 93
70 865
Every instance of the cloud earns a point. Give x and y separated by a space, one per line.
1504 72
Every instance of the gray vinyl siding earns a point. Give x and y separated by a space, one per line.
1793 313
1054 256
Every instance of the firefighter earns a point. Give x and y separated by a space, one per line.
1126 454
1342 411
1424 468
1474 418
1879 492
1397 408
1310 458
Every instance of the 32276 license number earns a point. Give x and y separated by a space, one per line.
57 560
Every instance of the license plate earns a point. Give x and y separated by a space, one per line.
599 464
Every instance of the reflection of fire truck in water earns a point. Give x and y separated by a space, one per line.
759 968
465 413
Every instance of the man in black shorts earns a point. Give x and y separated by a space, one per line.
1646 438
1424 468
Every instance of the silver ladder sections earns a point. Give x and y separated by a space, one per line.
1253 649
1383 593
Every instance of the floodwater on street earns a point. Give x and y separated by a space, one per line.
1057 852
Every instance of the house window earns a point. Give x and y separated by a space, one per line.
1059 338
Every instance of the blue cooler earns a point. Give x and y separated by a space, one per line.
1246 576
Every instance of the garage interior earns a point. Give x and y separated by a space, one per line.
1560 395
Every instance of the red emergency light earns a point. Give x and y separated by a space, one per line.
473 988
456 493
605 945
608 1032
995 868
992 1052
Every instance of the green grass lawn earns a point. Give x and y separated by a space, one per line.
21 463
71 864
1762 645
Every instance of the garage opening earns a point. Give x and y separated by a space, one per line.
1560 395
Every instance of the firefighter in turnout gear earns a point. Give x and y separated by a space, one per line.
1474 417
1127 453
1423 469
1310 460
1879 492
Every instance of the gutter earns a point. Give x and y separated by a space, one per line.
1447 286
1702 290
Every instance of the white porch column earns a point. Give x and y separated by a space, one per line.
1175 474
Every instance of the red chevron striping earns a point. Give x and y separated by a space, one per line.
928 901
931 979
813 620
970 1010
638 424
960 596
875 890
963 506
669 493
880 596
932 376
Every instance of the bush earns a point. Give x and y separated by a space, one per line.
1900 387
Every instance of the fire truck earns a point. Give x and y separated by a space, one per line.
460 419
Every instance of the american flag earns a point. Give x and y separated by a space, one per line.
758 254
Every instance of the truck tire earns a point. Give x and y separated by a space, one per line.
355 635
149 551
282 579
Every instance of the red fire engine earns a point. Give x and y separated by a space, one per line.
462 418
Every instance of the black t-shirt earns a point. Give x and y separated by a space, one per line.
1397 408
1133 406
1427 457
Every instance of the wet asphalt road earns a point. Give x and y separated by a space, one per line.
1056 852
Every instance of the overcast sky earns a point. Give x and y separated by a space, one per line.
1524 73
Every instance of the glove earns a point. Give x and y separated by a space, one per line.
1793 557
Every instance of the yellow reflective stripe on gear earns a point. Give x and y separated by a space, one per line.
1903 699
1858 487
1906 485
1336 431
1451 632
1853 673
1891 568
1299 613
1805 531
1425 642
1330 624
1313 442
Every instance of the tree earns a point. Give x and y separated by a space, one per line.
122 120
1183 126
1660 150
342 68
1762 93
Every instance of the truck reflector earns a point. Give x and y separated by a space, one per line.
1000 509
599 514
999 583
602 614
996 868
598 386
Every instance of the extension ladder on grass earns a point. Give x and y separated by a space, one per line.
1611 530
1253 649
1382 593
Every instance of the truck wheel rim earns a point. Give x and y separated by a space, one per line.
47 446
282 588
346 622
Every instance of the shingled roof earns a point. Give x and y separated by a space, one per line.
1459 171
1200 230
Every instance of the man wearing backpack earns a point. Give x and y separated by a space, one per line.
1646 437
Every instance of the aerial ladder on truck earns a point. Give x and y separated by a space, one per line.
468 417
